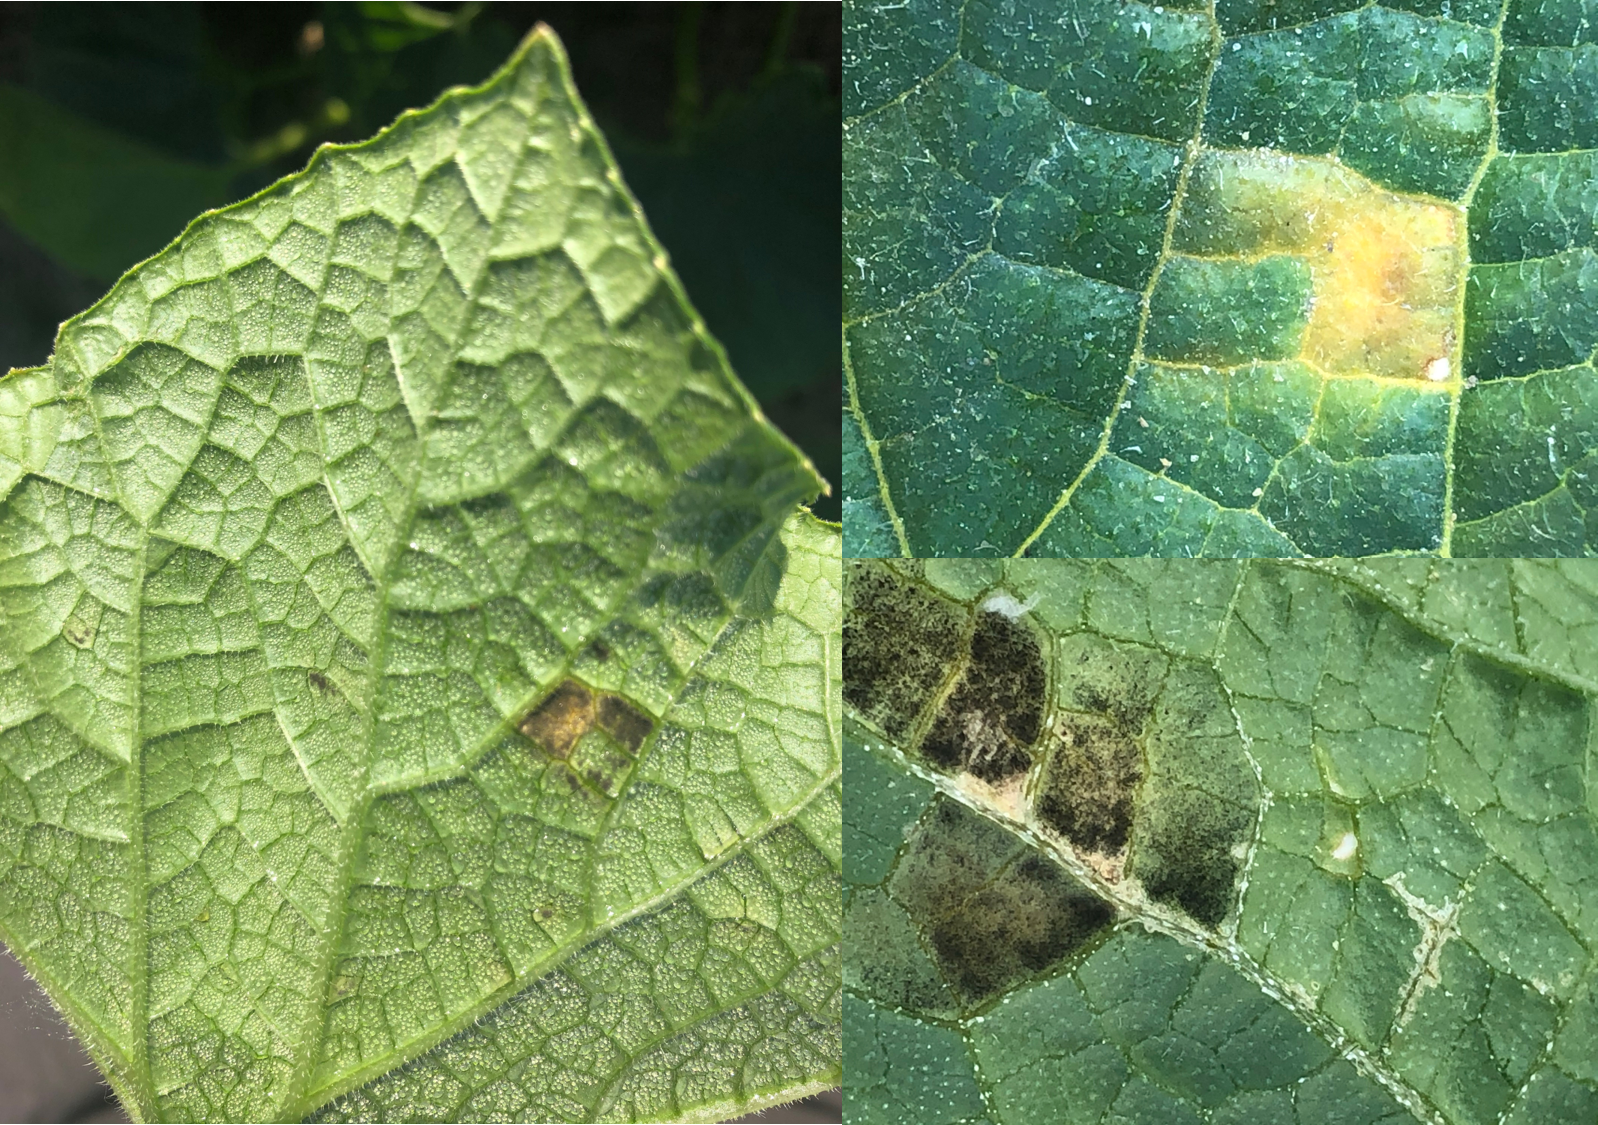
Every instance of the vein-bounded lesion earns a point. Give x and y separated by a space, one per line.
1401 890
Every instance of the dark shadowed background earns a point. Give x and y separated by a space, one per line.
119 123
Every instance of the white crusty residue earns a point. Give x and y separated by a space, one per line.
1007 604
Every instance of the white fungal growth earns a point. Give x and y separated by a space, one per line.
1437 370
1007 604
1346 847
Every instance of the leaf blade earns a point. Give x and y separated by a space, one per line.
311 516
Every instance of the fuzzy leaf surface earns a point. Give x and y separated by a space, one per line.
411 652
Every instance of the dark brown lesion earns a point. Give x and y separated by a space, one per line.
1090 785
993 911
900 641
624 722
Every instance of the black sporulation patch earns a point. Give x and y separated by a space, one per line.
993 911
1030 918
319 682
990 720
1090 783
899 641
1186 860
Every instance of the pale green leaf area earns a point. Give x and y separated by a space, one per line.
1161 842
419 688
1245 278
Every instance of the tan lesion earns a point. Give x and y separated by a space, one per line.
559 722
1386 268
572 711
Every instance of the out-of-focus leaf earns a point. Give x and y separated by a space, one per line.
93 198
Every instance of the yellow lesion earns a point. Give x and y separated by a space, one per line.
1385 267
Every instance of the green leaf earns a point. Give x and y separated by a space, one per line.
1223 842
1252 279
411 653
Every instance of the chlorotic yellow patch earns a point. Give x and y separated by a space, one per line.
1385 267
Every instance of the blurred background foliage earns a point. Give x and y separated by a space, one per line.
121 122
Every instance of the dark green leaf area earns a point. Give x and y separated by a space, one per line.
1395 94
1239 17
993 911
1004 380
903 1069
1430 143
1526 480
900 642
1219 433
890 49
1133 72
1227 312
907 234
1371 475
994 714
1096 205
1548 98
1148 1030
1121 509
1525 317
1554 23
1534 206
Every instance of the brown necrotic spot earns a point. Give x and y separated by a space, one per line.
899 642
564 716
993 911
990 720
597 734
1090 783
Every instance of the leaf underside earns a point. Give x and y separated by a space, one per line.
411 653
1221 842
1254 279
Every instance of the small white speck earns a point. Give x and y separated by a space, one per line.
1437 369
1346 847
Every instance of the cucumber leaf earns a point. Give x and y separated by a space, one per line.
1221 842
1255 278
419 687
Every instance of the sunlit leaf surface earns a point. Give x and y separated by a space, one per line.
411 652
